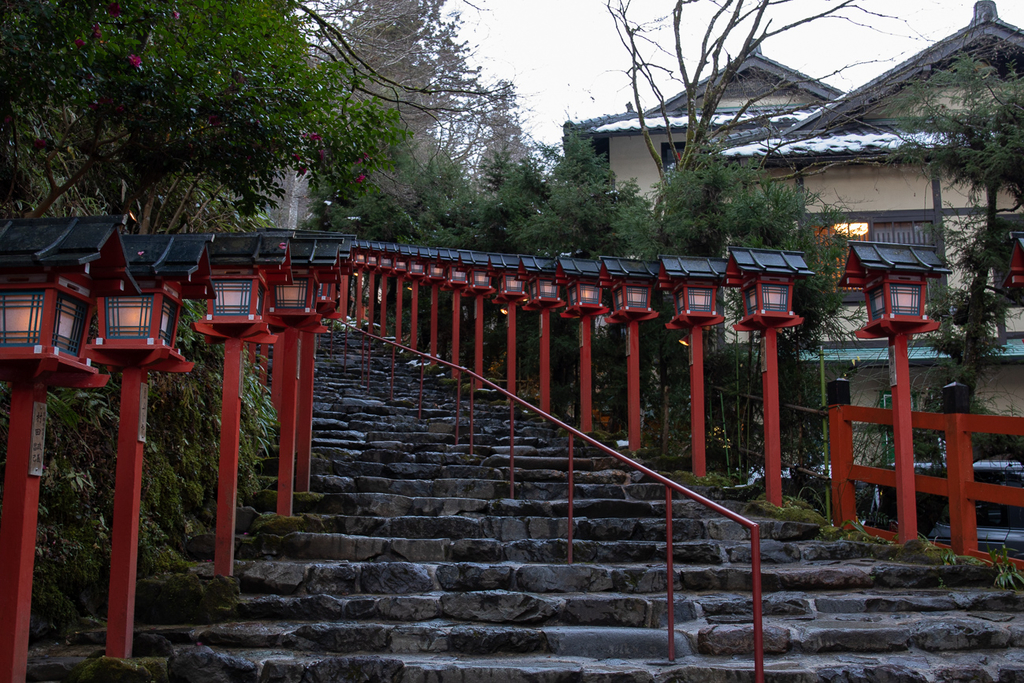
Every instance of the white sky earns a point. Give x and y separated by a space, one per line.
567 61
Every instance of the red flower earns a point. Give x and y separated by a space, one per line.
360 178
96 32
323 154
79 42
314 137
302 170
94 106
39 143
119 109
297 157
114 10
176 14
135 61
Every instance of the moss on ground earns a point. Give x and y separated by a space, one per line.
792 510
111 670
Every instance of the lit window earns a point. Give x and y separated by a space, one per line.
636 297
436 271
416 268
852 231
776 297
876 302
590 294
69 325
232 297
513 285
128 316
906 299
168 320
460 275
481 279
701 299
291 296
21 315
385 262
548 289
750 300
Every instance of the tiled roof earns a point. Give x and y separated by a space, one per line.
170 256
897 257
693 267
771 261
625 268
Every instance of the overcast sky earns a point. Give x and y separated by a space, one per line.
567 62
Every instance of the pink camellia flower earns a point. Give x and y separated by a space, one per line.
79 42
135 61
114 10
302 170
176 14
323 154
94 106
297 157
314 137
96 32
360 178
39 143
119 109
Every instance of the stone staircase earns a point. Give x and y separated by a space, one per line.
411 564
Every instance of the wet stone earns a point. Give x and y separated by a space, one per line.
281 578
563 579
409 608
337 579
960 634
601 610
399 578
498 607
474 577
739 640
492 640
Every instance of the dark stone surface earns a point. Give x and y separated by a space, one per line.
200 664
492 640
400 578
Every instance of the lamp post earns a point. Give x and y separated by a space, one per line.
894 280
765 278
400 270
137 335
437 274
315 258
511 294
480 286
694 284
459 280
372 266
386 267
542 296
243 267
51 271
582 282
359 266
417 272
630 282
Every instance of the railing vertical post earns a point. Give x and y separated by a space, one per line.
383 305
344 360
840 430
698 439
414 316
545 360
633 384
963 521
371 290
433 321
772 434
511 449
399 297
755 589
420 415
394 349
369 361
359 298
458 403
670 571
903 438
572 486
471 430
586 373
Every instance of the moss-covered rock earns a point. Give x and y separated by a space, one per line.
305 501
265 500
791 511
111 670
277 525
219 601
186 599
156 666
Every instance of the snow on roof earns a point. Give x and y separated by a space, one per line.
658 123
848 143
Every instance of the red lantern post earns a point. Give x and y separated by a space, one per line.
359 266
386 267
543 296
243 266
765 278
694 284
417 273
630 282
583 291
894 280
137 335
437 274
480 286
51 271
511 294
400 270
458 281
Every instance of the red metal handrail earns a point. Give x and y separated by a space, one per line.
671 487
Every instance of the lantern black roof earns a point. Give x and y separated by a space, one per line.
169 256
260 249
885 256
579 267
477 259
447 255
504 261
538 265
69 243
693 267
621 268
770 261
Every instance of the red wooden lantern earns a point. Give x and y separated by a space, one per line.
417 273
582 281
630 282
51 271
894 280
137 334
510 295
694 284
765 278
542 296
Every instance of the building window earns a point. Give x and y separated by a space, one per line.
668 158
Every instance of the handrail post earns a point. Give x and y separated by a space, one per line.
458 404
471 402
755 589
840 430
344 361
963 521
369 361
419 415
511 449
572 486
394 349
670 570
